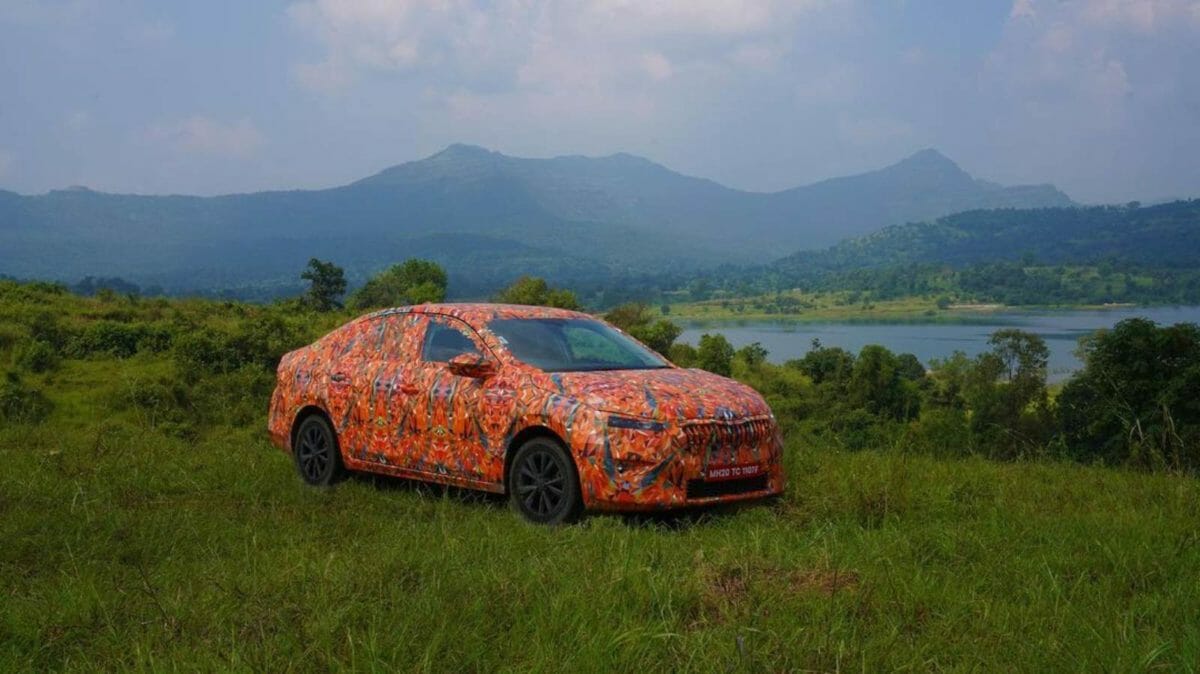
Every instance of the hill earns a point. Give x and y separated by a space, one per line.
1164 236
485 215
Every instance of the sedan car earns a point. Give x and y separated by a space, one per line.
559 410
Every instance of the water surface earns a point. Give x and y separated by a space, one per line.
929 340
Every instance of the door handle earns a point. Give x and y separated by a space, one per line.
338 378
408 389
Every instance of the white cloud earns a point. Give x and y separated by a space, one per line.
206 136
1063 60
511 43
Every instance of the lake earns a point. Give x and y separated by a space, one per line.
1061 329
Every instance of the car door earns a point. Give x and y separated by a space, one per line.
385 393
448 410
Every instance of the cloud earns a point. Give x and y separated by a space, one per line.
205 136
515 43
1088 91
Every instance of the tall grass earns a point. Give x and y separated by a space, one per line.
125 547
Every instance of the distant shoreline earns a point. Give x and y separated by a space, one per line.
905 311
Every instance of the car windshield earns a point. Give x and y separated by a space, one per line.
573 345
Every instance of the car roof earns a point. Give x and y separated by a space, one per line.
479 313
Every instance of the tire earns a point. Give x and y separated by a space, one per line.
318 458
542 483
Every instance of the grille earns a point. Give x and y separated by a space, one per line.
705 489
704 435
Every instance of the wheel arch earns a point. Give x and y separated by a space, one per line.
304 413
525 435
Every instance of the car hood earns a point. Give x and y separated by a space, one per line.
667 394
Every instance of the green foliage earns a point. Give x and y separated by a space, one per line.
21 403
638 320
413 282
118 339
683 355
534 291
877 385
752 355
715 354
35 355
327 284
1137 399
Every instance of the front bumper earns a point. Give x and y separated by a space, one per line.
696 462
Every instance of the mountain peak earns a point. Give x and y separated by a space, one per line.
928 158
463 151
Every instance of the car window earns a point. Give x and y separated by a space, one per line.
588 345
572 345
444 340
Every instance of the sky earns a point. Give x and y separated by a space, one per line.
1099 97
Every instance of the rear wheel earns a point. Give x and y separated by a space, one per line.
542 483
318 459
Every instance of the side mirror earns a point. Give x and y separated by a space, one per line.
471 365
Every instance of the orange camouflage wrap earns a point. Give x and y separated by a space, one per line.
711 439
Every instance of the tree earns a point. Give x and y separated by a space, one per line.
1006 392
638 320
328 284
683 355
752 355
1136 398
534 291
715 354
414 281
876 385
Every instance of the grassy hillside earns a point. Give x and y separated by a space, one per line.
148 524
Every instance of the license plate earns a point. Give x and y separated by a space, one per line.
732 472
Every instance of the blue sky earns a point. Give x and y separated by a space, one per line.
1101 97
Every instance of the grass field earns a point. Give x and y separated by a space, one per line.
127 544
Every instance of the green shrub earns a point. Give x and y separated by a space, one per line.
120 340
35 355
20 403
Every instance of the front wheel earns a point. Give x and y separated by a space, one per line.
318 459
542 483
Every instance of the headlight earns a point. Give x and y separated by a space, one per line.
635 424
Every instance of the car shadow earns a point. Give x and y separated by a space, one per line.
459 494
679 519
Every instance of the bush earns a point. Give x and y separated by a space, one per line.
715 354
1136 399
120 340
35 355
20 403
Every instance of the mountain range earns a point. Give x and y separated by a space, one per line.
486 216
